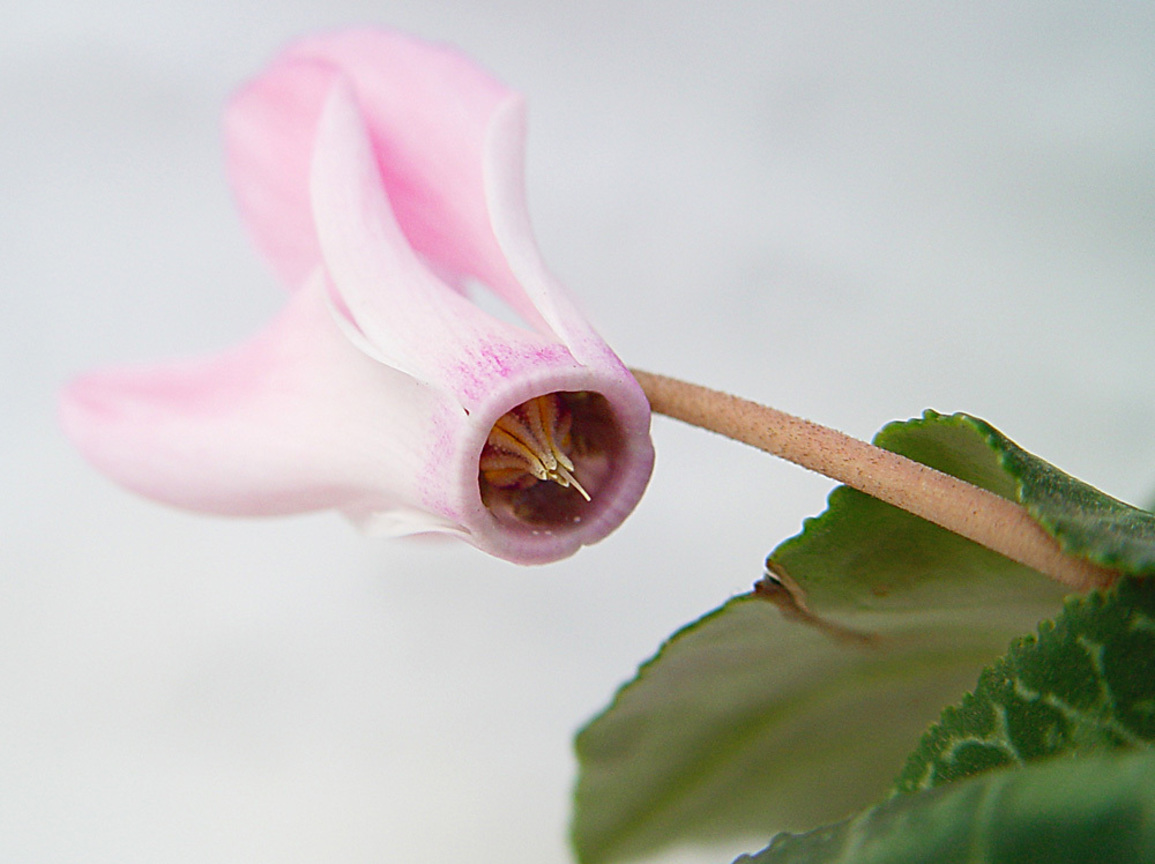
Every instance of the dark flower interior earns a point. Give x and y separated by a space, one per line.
592 440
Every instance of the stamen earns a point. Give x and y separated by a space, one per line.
539 433
532 439
548 418
504 440
570 480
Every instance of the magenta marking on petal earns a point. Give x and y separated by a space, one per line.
474 376
440 493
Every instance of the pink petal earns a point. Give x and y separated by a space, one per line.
534 285
414 321
428 110
294 420
269 135
432 116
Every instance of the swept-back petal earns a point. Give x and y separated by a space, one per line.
294 420
430 114
533 284
427 108
269 132
414 321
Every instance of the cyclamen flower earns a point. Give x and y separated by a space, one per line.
379 174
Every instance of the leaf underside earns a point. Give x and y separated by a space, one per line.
746 723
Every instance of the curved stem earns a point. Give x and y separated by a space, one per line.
974 513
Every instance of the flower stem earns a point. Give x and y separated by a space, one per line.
988 519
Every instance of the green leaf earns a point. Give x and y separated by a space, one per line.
1086 522
745 723
1083 685
1099 809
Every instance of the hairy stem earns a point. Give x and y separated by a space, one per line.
954 504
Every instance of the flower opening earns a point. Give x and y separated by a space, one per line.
546 461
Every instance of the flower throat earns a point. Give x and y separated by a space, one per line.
531 443
548 463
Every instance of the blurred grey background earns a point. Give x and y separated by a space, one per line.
851 211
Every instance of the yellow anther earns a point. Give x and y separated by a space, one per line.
567 479
549 419
531 439
503 440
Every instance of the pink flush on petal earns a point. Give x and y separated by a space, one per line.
379 174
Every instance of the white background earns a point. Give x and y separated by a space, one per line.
851 211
